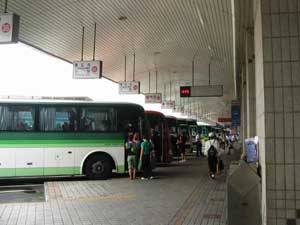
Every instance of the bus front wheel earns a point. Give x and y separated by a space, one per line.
98 167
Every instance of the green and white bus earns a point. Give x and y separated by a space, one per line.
65 138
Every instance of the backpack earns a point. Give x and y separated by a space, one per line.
134 148
212 151
128 145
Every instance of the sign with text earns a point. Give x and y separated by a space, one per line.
9 28
224 120
87 69
168 104
153 98
201 91
129 87
185 91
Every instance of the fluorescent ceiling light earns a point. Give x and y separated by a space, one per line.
199 14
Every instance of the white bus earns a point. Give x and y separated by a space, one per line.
65 138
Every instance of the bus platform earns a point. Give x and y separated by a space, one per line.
181 193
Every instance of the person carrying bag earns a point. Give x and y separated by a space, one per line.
212 150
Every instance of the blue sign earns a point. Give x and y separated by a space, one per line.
236 114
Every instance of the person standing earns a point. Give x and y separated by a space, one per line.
198 146
130 156
212 150
132 152
145 157
181 145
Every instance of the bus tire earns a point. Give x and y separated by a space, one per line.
98 167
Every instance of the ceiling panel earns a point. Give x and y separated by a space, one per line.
165 35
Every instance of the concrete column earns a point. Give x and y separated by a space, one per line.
277 79
250 83
243 132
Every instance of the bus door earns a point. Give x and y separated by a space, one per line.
167 143
165 138
139 126
157 137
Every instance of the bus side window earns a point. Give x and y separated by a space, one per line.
101 119
58 118
17 118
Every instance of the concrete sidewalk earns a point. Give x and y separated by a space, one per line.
182 193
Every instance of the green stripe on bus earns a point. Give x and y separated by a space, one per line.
121 169
59 136
7 172
60 143
47 171
29 171
61 170
39 171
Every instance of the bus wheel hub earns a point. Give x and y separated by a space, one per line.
98 167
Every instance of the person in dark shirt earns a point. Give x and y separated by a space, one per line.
145 157
156 144
199 146
181 144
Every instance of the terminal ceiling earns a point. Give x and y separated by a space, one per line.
165 35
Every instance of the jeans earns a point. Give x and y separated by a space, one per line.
199 149
212 163
146 166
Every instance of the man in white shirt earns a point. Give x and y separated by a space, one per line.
212 151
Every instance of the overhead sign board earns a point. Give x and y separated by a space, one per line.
9 28
224 120
201 91
87 69
168 104
185 91
153 98
129 87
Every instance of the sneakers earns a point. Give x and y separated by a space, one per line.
149 178
212 176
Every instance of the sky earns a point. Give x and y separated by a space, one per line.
26 71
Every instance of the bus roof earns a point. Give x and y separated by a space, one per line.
154 112
171 117
68 103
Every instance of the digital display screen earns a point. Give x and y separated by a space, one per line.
185 91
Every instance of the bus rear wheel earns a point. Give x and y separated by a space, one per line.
98 167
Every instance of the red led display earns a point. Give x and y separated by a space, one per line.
185 91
